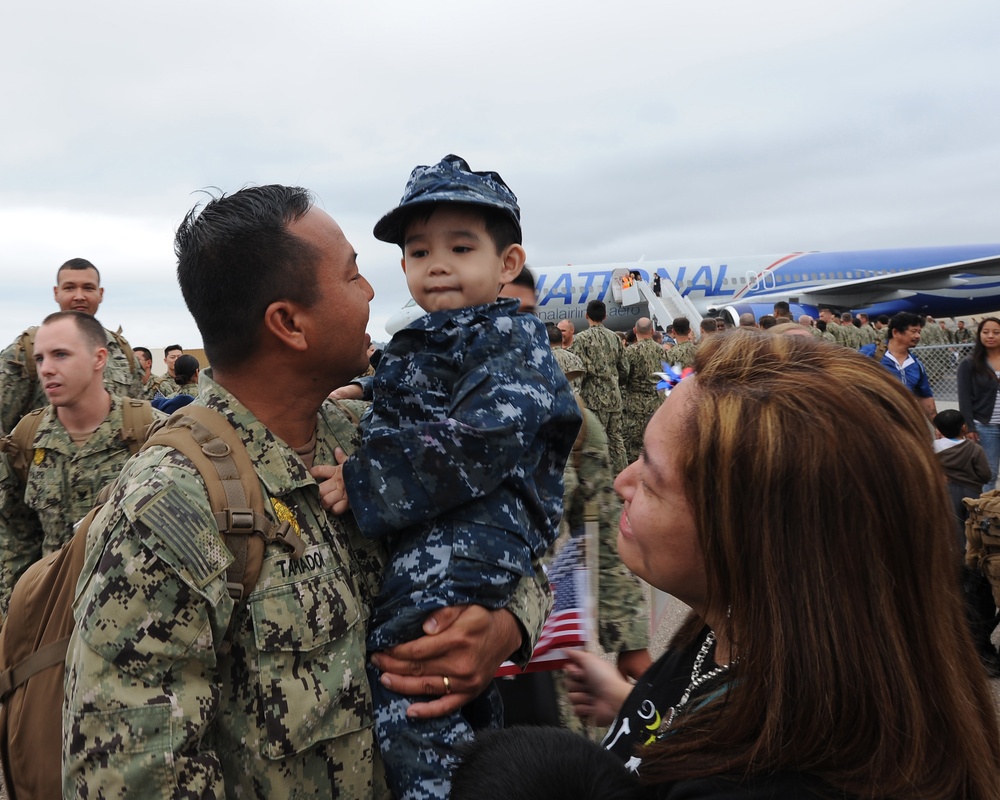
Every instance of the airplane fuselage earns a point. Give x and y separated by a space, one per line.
941 281
806 280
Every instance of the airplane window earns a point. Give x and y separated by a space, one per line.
840 276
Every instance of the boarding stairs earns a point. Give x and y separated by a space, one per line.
663 309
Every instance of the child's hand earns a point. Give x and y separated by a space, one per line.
332 492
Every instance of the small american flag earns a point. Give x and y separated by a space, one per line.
567 625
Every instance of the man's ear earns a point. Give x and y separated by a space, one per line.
513 259
102 359
402 263
284 320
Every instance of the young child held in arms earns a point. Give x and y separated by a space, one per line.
964 462
462 459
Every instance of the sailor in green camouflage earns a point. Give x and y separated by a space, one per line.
603 357
622 604
59 458
287 712
154 704
639 396
64 480
568 361
77 289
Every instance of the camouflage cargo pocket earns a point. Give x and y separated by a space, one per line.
311 654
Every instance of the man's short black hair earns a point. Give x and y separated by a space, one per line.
903 321
235 257
78 264
682 326
555 335
709 324
171 347
499 225
781 309
597 311
950 422
145 352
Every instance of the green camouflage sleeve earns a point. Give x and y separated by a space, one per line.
20 533
530 605
15 387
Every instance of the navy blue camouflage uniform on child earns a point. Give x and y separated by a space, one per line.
461 467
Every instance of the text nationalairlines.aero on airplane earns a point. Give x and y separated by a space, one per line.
942 281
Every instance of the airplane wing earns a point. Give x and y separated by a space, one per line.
861 292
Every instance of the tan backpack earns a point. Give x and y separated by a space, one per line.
36 633
982 535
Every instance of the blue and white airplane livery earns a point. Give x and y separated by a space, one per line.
942 281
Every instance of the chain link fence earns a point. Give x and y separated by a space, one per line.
941 363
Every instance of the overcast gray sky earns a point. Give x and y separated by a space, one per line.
665 130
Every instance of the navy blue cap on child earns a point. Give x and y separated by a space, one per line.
448 181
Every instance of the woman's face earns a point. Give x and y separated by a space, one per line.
989 334
657 538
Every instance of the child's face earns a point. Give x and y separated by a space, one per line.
451 262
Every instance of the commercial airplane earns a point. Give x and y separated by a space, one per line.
941 281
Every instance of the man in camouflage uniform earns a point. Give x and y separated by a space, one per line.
962 334
167 384
868 334
78 288
640 398
78 448
154 703
622 599
931 334
681 355
603 357
833 327
570 362
145 359
568 332
850 336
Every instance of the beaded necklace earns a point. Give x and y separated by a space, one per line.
697 679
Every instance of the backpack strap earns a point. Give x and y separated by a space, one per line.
44 657
210 442
137 418
27 340
126 349
19 445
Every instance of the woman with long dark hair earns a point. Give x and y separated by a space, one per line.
827 653
978 386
